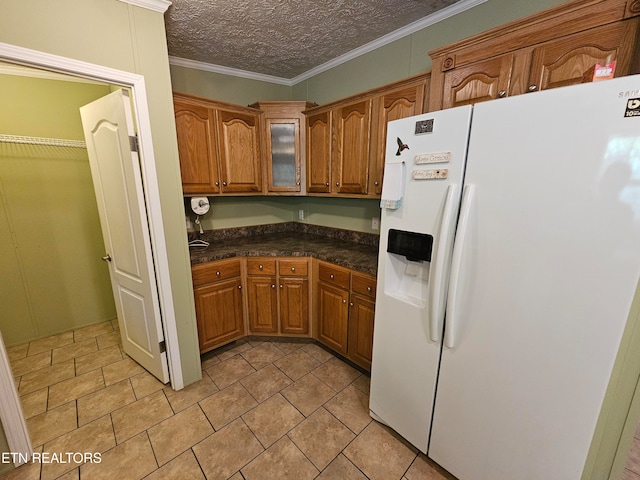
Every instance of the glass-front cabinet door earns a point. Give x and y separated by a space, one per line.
283 147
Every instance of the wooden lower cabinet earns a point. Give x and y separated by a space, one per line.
333 317
345 312
294 306
218 302
278 303
278 295
361 316
263 304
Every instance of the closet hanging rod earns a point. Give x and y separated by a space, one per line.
54 142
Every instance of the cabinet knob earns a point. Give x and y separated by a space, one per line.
297 183
331 276
260 267
240 287
376 183
218 273
532 88
327 184
344 301
217 184
224 184
281 286
293 269
273 286
502 93
368 289
351 304
337 184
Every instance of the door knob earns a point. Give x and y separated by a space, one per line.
107 258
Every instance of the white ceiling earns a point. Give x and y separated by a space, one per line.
289 40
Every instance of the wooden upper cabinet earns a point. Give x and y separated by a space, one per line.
219 146
319 152
564 61
196 147
478 82
239 143
552 48
350 165
391 105
284 146
346 139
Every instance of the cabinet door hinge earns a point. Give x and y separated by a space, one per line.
133 143
163 347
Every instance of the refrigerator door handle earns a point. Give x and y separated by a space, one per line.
437 281
450 334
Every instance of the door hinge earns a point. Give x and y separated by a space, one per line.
133 143
163 347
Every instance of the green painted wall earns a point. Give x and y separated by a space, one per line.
133 39
241 91
51 240
228 212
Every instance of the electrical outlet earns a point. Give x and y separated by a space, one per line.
300 214
375 223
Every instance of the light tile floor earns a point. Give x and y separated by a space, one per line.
263 410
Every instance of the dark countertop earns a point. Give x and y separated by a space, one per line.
357 256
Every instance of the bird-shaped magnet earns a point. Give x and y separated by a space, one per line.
401 146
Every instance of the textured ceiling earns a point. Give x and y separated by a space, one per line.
284 38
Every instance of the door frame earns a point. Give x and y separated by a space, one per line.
136 82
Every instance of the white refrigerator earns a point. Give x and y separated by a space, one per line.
509 259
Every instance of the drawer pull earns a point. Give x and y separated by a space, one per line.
218 273
260 267
368 289
293 269
331 276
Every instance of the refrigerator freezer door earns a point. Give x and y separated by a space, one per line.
405 358
549 264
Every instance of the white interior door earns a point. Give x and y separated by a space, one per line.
115 168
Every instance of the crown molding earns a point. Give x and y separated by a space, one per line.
427 21
155 5
235 72
407 30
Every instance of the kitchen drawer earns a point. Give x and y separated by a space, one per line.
213 271
293 267
261 266
334 275
363 284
